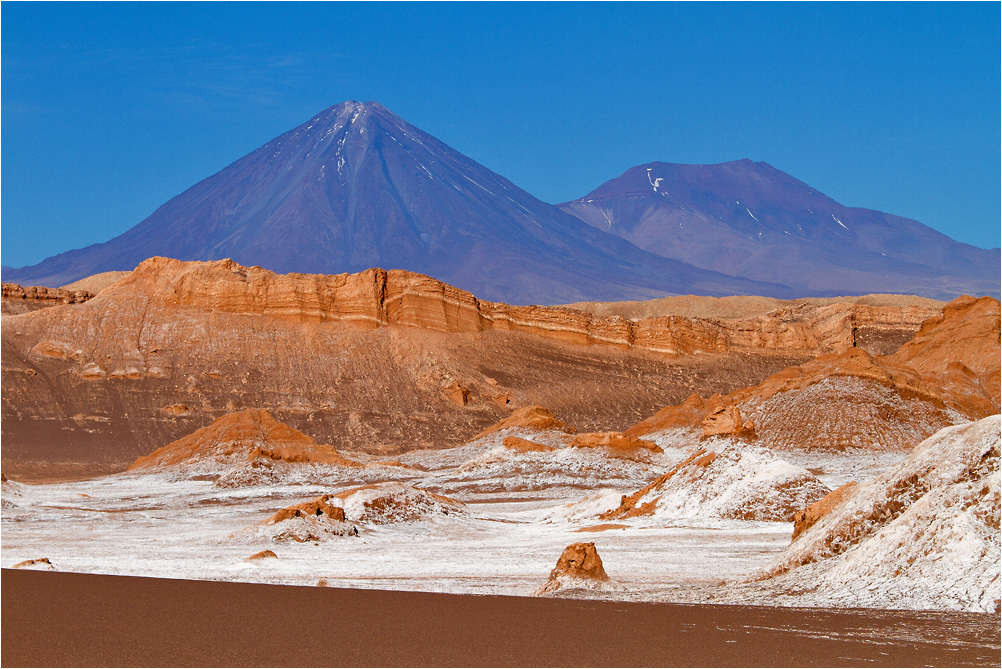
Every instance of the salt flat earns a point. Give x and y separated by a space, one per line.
506 543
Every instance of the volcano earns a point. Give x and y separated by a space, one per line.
358 187
752 220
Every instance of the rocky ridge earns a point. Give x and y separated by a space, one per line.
726 478
16 299
174 345
949 373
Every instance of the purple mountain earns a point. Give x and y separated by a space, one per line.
750 219
357 187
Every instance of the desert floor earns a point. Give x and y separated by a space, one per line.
60 619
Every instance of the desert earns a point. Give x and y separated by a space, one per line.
500 334
696 502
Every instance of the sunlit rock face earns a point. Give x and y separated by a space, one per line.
947 374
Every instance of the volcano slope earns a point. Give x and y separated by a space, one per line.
376 361
947 374
752 220
356 187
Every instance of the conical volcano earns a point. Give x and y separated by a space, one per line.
358 187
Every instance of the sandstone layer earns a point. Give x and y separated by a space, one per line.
16 299
947 374
378 361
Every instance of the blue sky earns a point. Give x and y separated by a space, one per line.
110 109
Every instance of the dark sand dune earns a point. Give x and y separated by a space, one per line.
61 619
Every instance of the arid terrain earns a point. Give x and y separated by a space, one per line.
385 430
381 362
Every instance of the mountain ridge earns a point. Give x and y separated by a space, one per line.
357 187
751 219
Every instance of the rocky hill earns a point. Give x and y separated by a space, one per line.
925 535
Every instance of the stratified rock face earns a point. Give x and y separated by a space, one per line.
357 187
249 435
18 300
175 345
948 373
958 351
726 479
750 219
393 502
925 535
579 566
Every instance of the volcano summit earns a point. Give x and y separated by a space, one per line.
358 187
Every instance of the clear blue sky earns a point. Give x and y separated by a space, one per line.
111 109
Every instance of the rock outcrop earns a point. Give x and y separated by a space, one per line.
315 520
43 564
520 445
251 436
173 346
319 507
263 555
579 567
725 479
394 502
532 418
948 373
16 299
924 535
617 445
804 520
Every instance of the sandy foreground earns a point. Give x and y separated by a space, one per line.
61 619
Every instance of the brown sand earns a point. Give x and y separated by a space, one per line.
64 619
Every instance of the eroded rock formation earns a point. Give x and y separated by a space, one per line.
16 299
579 566
376 361
948 373
394 502
725 479
927 530
246 436
315 520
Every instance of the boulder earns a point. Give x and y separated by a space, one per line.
579 566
